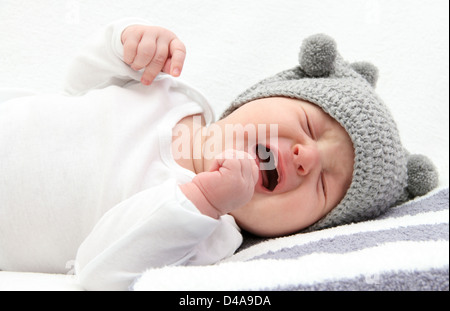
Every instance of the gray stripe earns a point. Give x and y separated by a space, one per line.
358 241
428 280
434 203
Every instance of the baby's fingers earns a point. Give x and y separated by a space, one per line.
254 172
145 51
178 55
130 38
249 170
156 64
130 49
239 163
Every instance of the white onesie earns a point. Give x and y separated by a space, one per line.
88 181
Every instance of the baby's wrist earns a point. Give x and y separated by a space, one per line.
196 196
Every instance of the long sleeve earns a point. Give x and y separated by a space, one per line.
154 228
100 61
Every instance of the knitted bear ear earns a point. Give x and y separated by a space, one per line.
367 70
422 175
317 55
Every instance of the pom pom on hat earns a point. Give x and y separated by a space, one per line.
422 175
317 55
367 70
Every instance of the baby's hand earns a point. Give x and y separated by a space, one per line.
227 186
154 48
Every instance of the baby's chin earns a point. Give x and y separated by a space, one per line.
258 226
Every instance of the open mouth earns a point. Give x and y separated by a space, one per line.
267 166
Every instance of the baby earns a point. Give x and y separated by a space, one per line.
127 169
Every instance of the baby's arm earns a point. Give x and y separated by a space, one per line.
154 228
229 184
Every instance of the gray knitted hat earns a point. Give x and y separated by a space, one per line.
384 173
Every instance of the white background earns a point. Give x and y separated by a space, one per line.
235 43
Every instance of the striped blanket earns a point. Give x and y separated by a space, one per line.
405 249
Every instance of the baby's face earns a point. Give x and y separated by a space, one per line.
314 166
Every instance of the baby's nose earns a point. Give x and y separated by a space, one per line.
306 158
